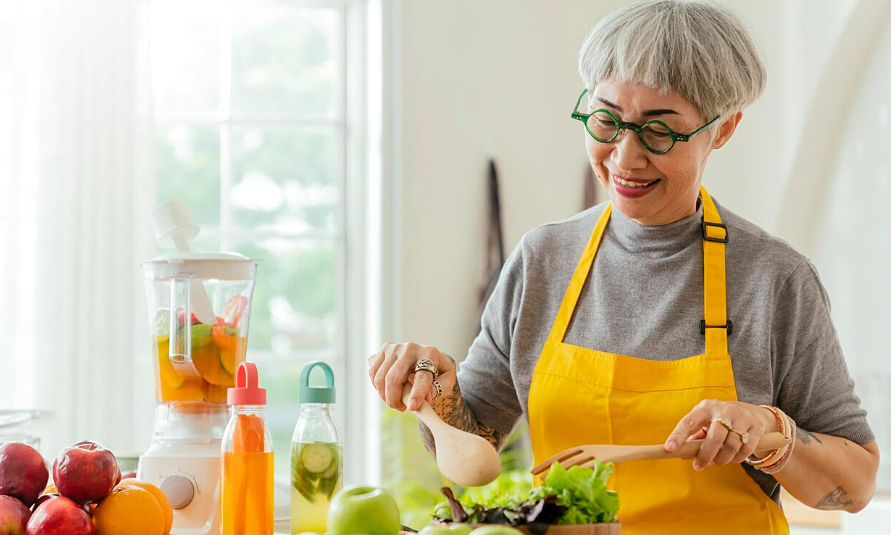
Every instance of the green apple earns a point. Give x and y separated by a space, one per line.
365 510
446 529
496 530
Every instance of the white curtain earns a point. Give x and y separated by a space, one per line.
74 185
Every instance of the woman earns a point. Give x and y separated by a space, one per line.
601 329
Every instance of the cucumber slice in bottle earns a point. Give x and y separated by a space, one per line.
331 471
316 457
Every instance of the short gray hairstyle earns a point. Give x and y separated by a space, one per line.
700 49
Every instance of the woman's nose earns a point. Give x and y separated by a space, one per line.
628 152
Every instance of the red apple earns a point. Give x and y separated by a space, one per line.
23 472
85 472
13 516
43 498
129 475
60 516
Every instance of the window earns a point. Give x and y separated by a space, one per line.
250 113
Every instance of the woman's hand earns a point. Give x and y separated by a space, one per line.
394 366
721 446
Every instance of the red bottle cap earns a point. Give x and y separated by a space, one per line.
247 390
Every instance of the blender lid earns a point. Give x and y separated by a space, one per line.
175 258
226 266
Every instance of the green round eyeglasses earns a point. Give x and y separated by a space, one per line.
655 136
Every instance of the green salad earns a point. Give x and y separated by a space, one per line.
575 496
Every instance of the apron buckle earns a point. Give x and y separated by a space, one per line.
703 327
706 237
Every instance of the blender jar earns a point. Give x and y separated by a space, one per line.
195 360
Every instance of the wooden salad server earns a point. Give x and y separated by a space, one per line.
462 457
609 453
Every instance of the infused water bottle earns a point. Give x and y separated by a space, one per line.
316 455
246 476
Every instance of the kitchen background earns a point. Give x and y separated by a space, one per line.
345 143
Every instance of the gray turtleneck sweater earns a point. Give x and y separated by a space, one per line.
644 299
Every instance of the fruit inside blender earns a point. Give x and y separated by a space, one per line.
217 350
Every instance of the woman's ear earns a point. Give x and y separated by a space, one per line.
726 129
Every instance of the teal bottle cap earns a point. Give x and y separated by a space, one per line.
316 394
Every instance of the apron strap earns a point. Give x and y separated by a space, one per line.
715 326
574 290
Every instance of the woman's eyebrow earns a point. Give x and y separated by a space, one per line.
648 113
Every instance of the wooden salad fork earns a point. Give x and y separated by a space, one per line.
609 453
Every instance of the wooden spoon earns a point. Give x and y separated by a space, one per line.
462 457
610 453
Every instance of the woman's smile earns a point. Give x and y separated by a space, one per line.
633 187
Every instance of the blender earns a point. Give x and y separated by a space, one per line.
199 311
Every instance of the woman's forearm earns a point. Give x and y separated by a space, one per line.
830 473
453 411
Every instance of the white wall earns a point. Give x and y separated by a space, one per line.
481 79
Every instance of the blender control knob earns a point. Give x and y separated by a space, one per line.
179 490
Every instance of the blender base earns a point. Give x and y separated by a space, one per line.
189 474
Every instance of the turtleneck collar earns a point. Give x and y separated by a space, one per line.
658 241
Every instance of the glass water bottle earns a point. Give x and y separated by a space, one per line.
316 455
247 503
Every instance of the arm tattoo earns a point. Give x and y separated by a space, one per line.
453 411
837 499
806 437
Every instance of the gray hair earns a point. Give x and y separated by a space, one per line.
701 50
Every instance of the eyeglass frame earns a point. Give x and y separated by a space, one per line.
638 128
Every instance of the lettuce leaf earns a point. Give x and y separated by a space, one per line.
575 496
583 492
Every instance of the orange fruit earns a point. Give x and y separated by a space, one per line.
249 435
50 489
160 496
129 510
206 359
170 375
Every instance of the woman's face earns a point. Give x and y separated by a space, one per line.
653 189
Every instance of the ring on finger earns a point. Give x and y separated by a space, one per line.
744 437
438 388
426 365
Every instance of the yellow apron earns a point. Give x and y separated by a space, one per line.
584 396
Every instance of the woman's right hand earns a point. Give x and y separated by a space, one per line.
394 366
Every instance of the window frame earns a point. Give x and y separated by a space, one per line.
353 229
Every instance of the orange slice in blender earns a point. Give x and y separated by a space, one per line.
227 340
168 374
206 357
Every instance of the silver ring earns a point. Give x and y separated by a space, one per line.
438 388
426 365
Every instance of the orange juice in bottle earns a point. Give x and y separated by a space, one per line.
246 488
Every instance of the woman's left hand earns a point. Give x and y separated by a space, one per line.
721 446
